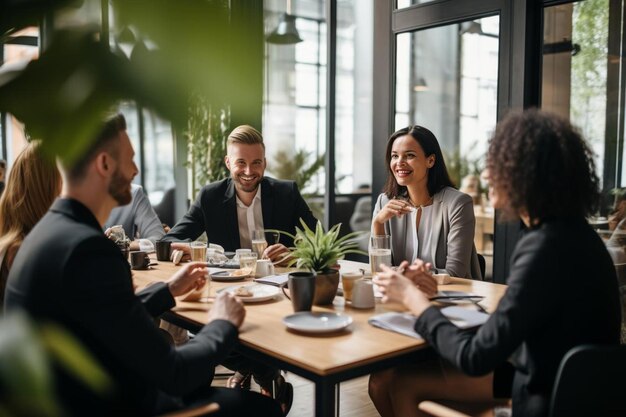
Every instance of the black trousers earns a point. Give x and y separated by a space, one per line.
263 374
232 402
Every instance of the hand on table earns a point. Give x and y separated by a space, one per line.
398 288
182 246
228 307
191 276
277 252
419 273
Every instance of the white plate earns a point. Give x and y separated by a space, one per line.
309 322
260 292
227 276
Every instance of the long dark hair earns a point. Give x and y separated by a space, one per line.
438 177
542 164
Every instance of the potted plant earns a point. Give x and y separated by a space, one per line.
319 251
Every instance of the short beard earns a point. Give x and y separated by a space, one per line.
119 189
246 188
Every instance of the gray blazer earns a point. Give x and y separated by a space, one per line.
138 218
452 230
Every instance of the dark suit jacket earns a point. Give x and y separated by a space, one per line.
67 271
215 212
562 292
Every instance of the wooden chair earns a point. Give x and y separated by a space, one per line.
591 381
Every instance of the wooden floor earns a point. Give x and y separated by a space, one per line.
353 397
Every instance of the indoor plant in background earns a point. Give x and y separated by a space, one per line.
319 251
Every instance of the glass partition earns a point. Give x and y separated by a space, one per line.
294 108
447 81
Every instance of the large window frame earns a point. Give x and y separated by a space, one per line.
519 74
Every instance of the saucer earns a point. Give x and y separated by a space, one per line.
309 322
228 276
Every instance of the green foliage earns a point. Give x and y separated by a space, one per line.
26 356
298 168
206 134
61 96
318 250
590 22
460 166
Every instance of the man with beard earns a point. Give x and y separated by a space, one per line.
230 209
67 272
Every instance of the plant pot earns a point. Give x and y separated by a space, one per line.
326 284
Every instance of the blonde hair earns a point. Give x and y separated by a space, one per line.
245 134
33 184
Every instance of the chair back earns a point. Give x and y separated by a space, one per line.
591 381
482 264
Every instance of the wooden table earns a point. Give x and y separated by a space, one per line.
328 359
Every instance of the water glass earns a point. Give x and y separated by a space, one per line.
380 252
247 262
259 243
198 251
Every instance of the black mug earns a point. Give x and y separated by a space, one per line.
302 289
163 250
139 260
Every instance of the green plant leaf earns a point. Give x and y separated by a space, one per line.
318 250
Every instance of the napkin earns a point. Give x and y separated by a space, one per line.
276 280
404 323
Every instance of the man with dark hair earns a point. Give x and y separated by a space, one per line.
68 272
230 209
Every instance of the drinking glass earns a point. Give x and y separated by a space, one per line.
198 251
380 252
259 243
247 262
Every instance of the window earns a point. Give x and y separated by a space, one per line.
21 46
447 81
294 113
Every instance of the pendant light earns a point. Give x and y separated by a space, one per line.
286 32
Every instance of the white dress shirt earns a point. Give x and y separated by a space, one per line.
249 218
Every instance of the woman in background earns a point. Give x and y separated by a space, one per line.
33 184
420 209
562 290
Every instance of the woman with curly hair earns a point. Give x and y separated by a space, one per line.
562 289
426 217
33 184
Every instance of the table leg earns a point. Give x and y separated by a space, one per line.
324 399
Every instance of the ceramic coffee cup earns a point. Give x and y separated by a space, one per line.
264 267
363 294
163 250
139 259
302 289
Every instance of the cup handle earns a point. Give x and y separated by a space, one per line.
282 287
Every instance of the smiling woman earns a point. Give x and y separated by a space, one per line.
424 215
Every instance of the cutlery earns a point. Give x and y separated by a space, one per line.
457 297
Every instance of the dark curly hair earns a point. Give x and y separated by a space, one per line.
541 164
438 177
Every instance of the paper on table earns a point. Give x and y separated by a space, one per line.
276 280
404 323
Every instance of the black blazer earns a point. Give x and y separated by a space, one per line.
67 271
562 292
215 212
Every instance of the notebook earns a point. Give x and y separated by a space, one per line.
277 280
404 323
